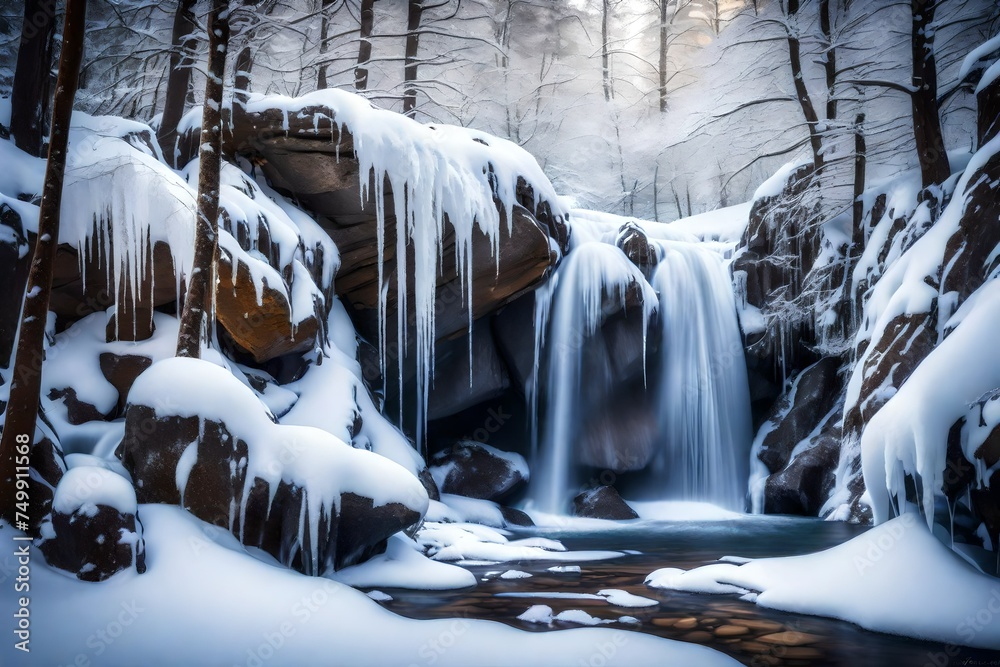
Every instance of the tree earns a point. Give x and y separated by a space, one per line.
609 91
196 316
26 381
30 90
801 90
364 45
927 133
415 10
183 42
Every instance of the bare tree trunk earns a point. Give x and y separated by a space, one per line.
860 166
830 61
934 167
26 380
183 45
656 193
196 316
605 56
324 35
365 45
414 14
802 92
29 95
663 56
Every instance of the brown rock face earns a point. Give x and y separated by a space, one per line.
263 328
315 163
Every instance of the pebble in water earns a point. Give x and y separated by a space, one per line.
790 638
731 630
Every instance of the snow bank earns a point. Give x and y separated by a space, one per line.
896 578
204 601
404 566
469 542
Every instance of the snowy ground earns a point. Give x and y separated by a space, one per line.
205 601
896 578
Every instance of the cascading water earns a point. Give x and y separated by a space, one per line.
704 401
697 384
595 276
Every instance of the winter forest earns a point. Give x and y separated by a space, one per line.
482 333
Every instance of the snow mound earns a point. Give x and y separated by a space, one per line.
289 620
896 578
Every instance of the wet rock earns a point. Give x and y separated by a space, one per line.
731 631
93 530
632 241
515 517
603 503
790 638
620 435
793 418
476 470
803 486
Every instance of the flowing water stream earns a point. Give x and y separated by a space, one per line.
751 634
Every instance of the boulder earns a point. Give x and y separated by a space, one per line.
121 370
197 437
476 470
77 411
93 530
811 397
803 486
47 468
515 517
603 502
263 325
310 157
632 241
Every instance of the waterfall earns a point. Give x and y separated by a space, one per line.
703 397
697 384
593 278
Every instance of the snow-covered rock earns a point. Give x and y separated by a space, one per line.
93 530
477 470
196 436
